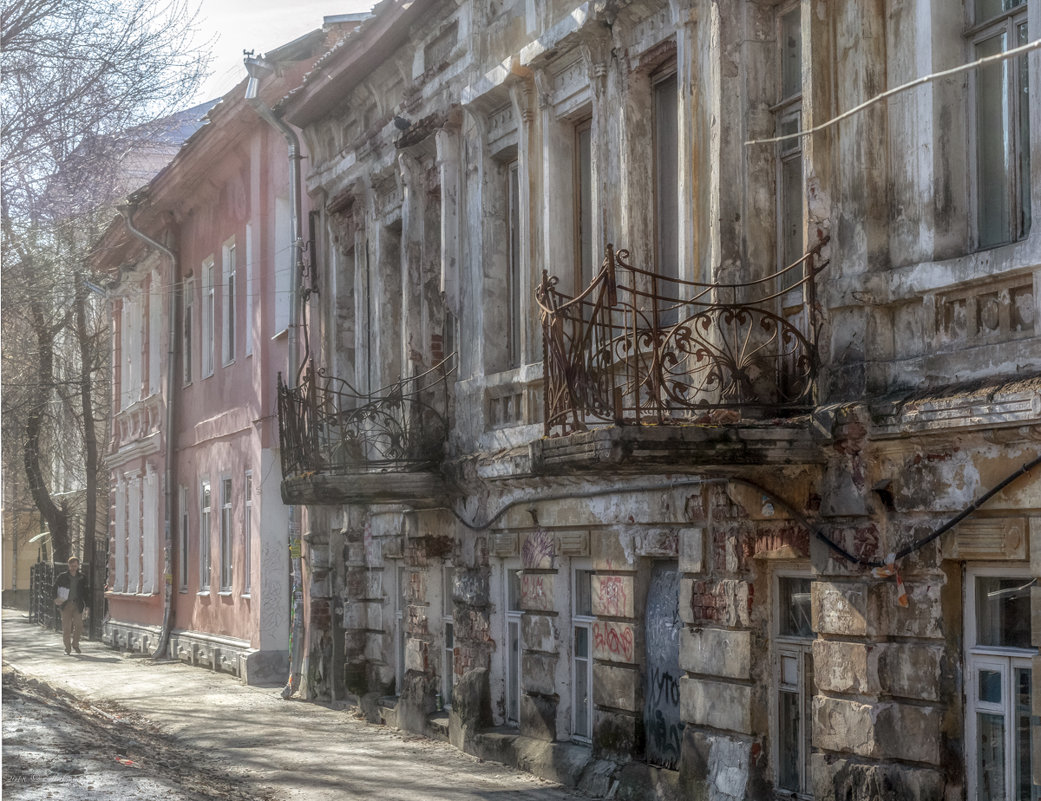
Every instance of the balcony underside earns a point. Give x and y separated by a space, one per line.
364 487
679 448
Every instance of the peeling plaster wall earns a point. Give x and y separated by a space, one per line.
927 397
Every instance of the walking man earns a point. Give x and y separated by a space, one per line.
70 595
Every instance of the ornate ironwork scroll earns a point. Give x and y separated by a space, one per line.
327 426
638 348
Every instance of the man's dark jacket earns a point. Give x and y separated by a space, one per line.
77 587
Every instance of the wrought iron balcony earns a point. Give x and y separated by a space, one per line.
328 430
638 348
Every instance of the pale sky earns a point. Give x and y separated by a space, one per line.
259 25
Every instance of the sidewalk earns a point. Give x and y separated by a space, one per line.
302 750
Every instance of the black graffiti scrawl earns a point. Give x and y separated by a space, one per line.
661 709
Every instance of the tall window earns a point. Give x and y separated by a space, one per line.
205 530
513 643
250 289
582 654
400 603
448 622
666 174
789 151
997 684
283 264
1002 124
585 248
188 330
225 534
155 321
228 301
247 532
182 542
793 668
208 311
513 269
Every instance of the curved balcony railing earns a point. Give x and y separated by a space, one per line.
638 348
327 427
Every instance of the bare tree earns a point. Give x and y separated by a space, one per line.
81 82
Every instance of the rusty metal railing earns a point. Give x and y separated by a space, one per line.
640 348
326 426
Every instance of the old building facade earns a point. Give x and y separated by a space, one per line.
202 261
683 527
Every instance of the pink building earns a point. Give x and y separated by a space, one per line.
203 264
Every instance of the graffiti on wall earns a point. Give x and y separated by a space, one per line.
662 693
613 641
536 592
611 597
538 550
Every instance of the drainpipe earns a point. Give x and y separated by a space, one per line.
171 363
257 67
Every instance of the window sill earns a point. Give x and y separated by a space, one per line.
247 596
225 593
203 592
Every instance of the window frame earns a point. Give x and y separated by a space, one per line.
1003 659
229 300
247 532
205 535
227 523
788 109
209 303
583 224
514 268
400 606
581 621
183 535
799 648
187 330
513 639
664 74
1017 196
447 635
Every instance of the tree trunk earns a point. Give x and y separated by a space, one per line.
90 441
57 518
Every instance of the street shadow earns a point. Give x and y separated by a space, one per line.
89 658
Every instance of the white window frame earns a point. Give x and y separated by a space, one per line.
229 301
134 533
1017 197
208 315
448 635
513 641
581 666
800 651
227 522
247 532
183 539
187 330
205 534
1001 659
